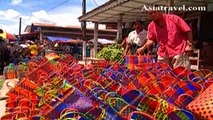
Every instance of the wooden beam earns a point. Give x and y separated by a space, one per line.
95 38
170 3
119 26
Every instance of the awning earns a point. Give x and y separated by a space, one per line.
29 36
130 9
64 40
70 41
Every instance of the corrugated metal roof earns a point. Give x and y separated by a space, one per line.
130 9
72 27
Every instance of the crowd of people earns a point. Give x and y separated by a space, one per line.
16 53
26 50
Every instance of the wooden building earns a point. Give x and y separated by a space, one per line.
73 32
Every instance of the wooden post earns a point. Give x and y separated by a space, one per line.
83 26
41 37
19 29
95 39
84 50
170 3
119 26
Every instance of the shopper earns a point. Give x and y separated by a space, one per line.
173 36
3 46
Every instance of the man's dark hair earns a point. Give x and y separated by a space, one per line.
1 31
138 21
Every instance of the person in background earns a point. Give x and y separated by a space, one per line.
4 53
135 39
16 58
7 56
75 51
173 36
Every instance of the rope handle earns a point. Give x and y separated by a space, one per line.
19 111
63 116
109 95
180 102
124 108
12 81
142 114
153 98
67 110
115 99
25 100
40 91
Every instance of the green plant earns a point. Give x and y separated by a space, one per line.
111 53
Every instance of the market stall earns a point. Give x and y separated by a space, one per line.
121 13
67 45
61 88
114 87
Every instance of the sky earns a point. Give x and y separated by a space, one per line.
58 12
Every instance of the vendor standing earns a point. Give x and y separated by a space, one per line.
136 38
173 36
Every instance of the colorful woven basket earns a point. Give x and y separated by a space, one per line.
182 93
202 106
134 61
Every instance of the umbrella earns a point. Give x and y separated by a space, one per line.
8 36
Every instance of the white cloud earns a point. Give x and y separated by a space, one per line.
40 14
11 14
2 13
62 16
16 2
9 20
11 28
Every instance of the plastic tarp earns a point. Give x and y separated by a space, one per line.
103 41
58 38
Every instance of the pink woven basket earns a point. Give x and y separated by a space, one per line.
202 106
